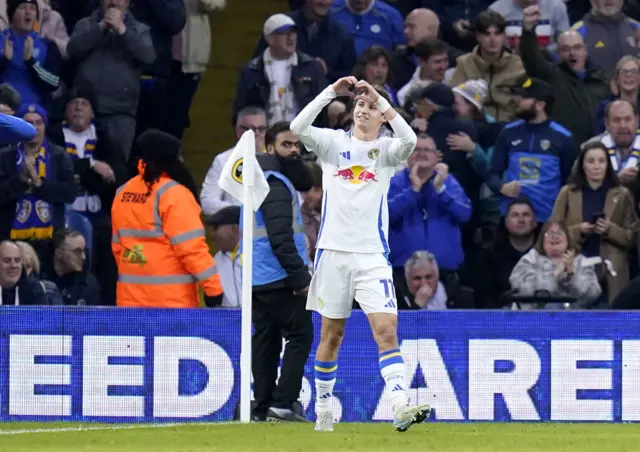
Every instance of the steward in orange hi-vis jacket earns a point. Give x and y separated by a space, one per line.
158 237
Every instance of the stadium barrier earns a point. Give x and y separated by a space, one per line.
137 365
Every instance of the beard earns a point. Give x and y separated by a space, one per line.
527 114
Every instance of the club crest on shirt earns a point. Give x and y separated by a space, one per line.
545 144
236 171
373 154
43 211
23 211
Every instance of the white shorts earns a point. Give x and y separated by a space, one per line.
340 277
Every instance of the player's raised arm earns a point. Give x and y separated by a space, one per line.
405 138
315 139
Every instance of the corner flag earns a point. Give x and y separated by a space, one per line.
242 164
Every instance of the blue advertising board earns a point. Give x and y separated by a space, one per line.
139 365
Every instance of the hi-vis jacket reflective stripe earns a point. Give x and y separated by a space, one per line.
266 268
159 245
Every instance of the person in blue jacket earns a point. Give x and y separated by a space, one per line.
534 155
427 206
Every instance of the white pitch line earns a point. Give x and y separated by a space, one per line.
106 427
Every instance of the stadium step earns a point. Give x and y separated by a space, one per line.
235 32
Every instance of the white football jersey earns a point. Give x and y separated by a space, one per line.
356 178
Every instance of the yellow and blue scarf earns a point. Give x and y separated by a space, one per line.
84 202
34 216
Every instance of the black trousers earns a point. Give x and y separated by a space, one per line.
180 93
279 314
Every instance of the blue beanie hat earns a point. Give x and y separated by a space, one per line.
33 108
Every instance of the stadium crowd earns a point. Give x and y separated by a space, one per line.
523 181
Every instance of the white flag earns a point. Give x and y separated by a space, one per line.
232 173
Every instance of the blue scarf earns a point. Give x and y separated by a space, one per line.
34 216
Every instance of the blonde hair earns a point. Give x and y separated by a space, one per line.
29 256
624 60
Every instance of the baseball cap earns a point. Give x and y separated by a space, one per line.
533 88
439 94
228 215
277 24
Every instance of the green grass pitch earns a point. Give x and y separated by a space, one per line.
67 437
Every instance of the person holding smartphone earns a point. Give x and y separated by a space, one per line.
600 217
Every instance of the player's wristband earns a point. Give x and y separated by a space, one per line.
383 104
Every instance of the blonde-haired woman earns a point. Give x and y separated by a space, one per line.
31 266
625 85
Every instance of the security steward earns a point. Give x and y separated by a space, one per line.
158 237
280 281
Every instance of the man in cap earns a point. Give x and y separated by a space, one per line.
37 182
281 80
29 62
533 156
225 232
160 264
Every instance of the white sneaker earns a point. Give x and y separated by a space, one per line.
324 421
409 415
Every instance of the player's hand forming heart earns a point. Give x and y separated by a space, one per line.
342 85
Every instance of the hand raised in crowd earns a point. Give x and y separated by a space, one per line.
32 172
8 47
420 124
460 142
602 226
586 228
423 295
419 175
104 170
342 85
510 189
530 17
567 259
28 49
628 175
114 18
442 171
461 27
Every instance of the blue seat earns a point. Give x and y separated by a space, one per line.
80 223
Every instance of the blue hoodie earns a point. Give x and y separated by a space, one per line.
427 220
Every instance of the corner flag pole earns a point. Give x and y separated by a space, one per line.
247 267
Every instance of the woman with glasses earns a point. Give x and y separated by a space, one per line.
600 217
625 85
554 267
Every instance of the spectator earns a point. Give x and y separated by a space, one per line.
578 87
425 290
608 34
77 286
225 233
373 67
370 22
497 258
280 280
421 24
427 205
28 62
191 52
100 168
110 48
555 267
552 22
16 288
625 85
212 196
458 19
490 61
282 80
31 268
534 155
159 264
469 105
311 209
165 19
600 217
322 37
433 57
336 111
40 184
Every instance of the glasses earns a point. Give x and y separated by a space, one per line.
259 129
554 234
629 72
76 251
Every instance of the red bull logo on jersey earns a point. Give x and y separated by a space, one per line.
356 175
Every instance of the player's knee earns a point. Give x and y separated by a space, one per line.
332 338
386 336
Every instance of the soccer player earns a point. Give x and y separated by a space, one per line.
351 257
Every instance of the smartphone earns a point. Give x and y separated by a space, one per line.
596 216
